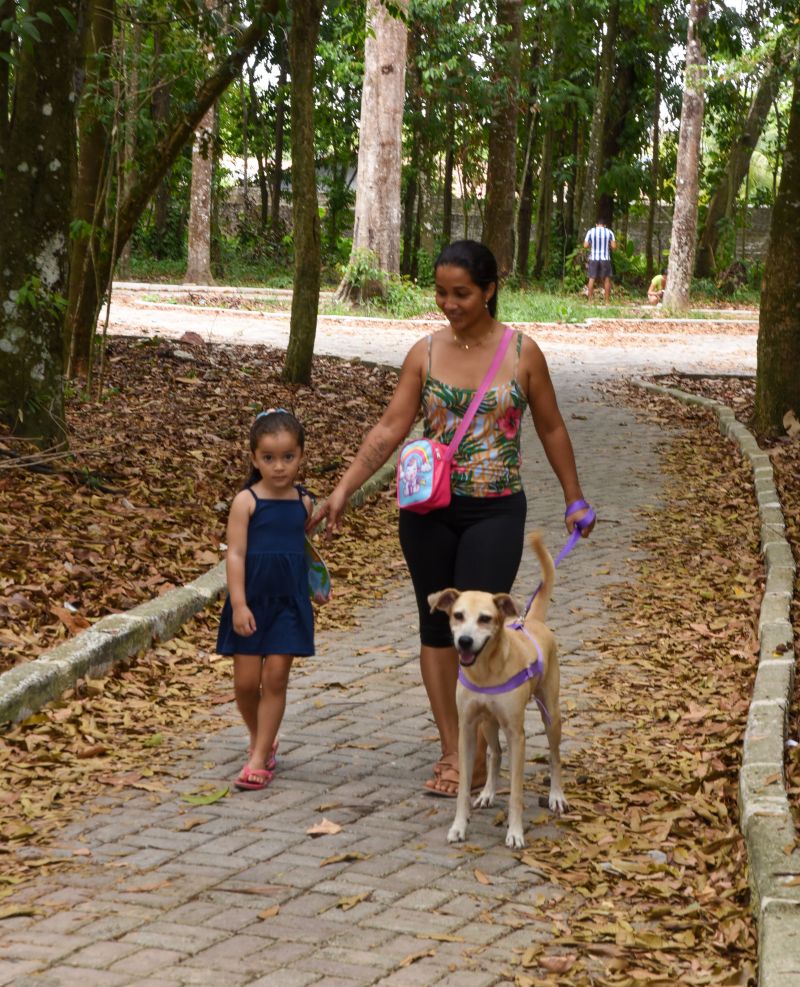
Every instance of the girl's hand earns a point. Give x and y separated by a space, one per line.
244 623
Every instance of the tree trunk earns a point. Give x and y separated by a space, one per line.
501 171
721 205
594 160
161 158
655 166
303 35
378 216
6 12
572 185
89 199
198 267
409 200
160 114
198 264
777 376
544 211
257 124
449 157
130 83
280 120
525 214
35 203
684 217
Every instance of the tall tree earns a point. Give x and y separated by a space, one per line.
280 128
155 163
35 203
778 373
378 216
94 166
303 35
722 201
501 171
594 160
684 216
655 160
198 267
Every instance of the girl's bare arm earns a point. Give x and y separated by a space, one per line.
243 621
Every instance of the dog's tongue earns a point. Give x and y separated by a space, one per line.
467 657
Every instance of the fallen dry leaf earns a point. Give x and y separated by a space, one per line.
324 828
415 957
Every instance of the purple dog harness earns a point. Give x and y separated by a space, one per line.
537 668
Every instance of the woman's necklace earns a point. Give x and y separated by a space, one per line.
472 345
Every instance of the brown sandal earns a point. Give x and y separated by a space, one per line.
445 771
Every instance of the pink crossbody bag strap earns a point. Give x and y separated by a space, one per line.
474 404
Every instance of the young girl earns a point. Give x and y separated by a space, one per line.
267 617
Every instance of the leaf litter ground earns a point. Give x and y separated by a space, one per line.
650 868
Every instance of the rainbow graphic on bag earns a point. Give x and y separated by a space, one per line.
423 475
319 579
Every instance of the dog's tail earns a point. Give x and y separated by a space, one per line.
541 601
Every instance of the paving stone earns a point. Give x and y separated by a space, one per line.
143 962
286 978
225 976
183 938
72 976
101 955
12 971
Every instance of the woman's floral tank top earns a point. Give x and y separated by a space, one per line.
487 462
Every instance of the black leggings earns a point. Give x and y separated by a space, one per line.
474 543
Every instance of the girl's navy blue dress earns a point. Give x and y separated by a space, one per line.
276 584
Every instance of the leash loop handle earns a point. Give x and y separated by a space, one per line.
586 520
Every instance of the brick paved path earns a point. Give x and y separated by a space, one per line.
356 746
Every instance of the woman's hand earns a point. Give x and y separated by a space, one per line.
581 517
329 511
244 623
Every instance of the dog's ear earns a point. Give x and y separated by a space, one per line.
443 600
506 605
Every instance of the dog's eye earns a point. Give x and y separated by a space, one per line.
484 619
458 615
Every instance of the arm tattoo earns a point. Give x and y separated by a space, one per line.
375 454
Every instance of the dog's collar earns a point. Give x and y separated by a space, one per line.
536 669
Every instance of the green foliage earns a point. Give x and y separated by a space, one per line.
33 295
363 270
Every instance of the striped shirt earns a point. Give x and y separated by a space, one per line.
599 239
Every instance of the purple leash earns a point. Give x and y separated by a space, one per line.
572 541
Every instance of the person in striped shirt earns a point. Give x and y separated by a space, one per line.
600 241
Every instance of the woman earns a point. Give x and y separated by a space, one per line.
476 541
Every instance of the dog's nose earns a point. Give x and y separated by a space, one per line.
465 643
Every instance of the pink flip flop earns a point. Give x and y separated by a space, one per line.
253 779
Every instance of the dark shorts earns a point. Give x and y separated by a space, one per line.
474 543
600 269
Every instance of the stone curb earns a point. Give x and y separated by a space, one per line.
765 815
26 688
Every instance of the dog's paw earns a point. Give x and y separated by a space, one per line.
558 803
484 800
456 834
515 841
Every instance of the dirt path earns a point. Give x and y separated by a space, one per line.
599 349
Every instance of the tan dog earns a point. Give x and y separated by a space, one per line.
491 654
